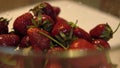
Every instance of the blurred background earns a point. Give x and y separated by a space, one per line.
109 6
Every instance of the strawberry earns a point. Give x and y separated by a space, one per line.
56 11
61 26
44 21
102 31
3 25
46 17
101 43
38 40
62 31
9 40
20 24
44 8
80 33
82 44
24 42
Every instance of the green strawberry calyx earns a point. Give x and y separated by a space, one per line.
2 19
108 32
38 9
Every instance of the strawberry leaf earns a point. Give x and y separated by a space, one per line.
107 33
2 19
47 25
59 39
37 10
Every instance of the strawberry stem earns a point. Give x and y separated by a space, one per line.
117 28
71 34
63 35
72 24
53 40
59 39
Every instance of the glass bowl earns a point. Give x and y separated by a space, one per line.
11 58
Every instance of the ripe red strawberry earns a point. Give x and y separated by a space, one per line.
21 23
56 11
9 40
45 22
82 44
44 8
102 31
3 25
80 33
24 42
38 40
61 26
101 43
46 17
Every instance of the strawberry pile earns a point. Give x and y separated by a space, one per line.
44 30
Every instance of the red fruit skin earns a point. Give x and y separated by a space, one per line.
102 31
56 11
45 22
3 27
25 42
38 40
61 26
80 33
20 24
46 17
36 49
9 40
44 8
49 10
101 43
82 44
97 31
